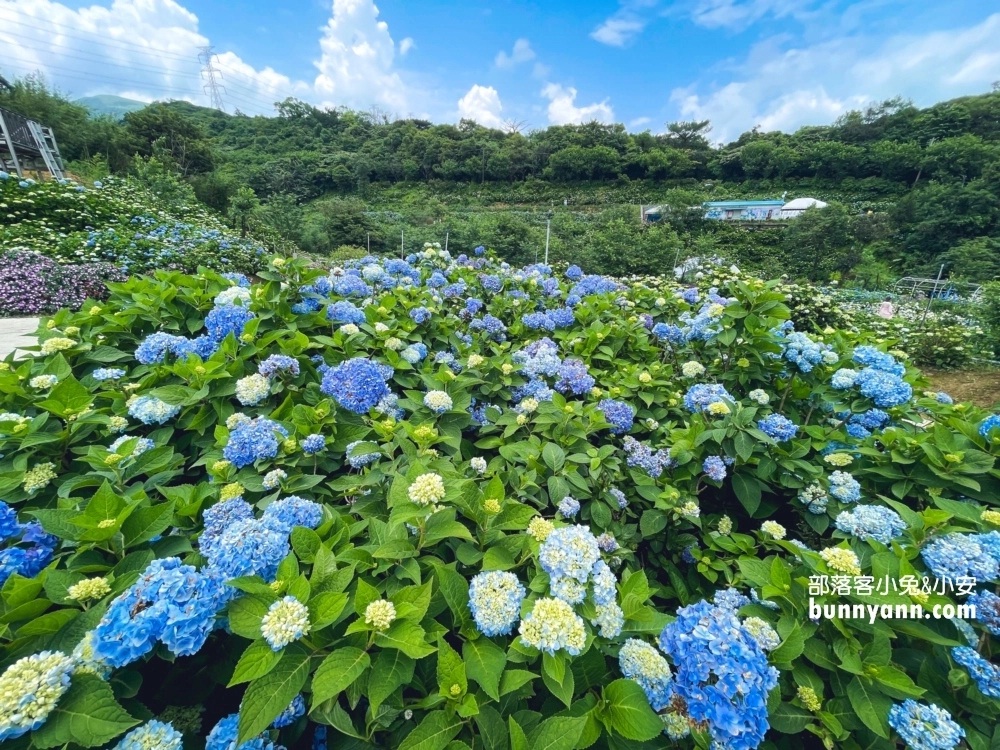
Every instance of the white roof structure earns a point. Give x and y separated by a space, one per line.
801 204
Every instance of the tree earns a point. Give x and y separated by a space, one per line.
162 131
820 242
242 207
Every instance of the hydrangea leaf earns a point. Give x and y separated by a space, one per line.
87 715
269 695
337 672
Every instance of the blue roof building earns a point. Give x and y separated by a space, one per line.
766 210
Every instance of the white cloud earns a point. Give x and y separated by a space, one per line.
783 88
481 104
638 122
617 32
738 14
143 49
562 109
356 65
624 24
521 53
148 49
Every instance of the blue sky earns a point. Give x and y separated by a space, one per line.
740 63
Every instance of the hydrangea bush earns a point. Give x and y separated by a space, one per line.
245 515
73 237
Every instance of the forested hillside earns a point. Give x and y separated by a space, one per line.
909 188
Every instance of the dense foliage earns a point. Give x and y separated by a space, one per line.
60 240
915 187
442 503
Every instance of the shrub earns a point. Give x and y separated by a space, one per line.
464 532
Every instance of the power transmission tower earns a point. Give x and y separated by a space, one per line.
213 88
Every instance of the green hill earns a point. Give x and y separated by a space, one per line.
110 105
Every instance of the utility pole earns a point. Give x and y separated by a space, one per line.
213 87
548 228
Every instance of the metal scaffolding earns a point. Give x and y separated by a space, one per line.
26 144
937 289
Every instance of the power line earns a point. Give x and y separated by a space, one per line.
75 75
117 44
130 47
213 88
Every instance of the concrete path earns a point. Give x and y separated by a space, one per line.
15 333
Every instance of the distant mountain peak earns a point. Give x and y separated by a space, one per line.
109 104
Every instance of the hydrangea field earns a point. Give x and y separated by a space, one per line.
69 235
439 503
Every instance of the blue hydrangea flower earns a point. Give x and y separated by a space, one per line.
987 606
641 662
293 511
956 555
171 603
224 734
569 507
619 414
414 353
989 424
249 547
230 319
844 378
642 456
619 497
539 358
700 395
573 378
714 468
721 673
574 273
360 460
313 444
345 312
491 325
203 347
869 356
154 348
278 364
925 727
253 441
604 582
293 711
569 552
871 522
357 384
538 321
777 427
495 602
802 351
884 388
420 315
351 286
844 487
217 518
151 410
9 526
986 674
102 374
153 735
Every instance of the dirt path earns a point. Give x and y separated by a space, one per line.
981 387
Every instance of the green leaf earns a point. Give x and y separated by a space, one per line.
561 688
562 732
747 489
553 456
484 661
513 679
518 740
257 661
744 446
337 672
450 670
146 523
433 733
391 669
408 637
87 715
245 615
629 712
268 696
871 706
325 608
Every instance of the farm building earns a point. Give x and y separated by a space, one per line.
768 210
765 210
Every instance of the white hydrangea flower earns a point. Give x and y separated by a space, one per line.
252 389
380 614
286 621
427 489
